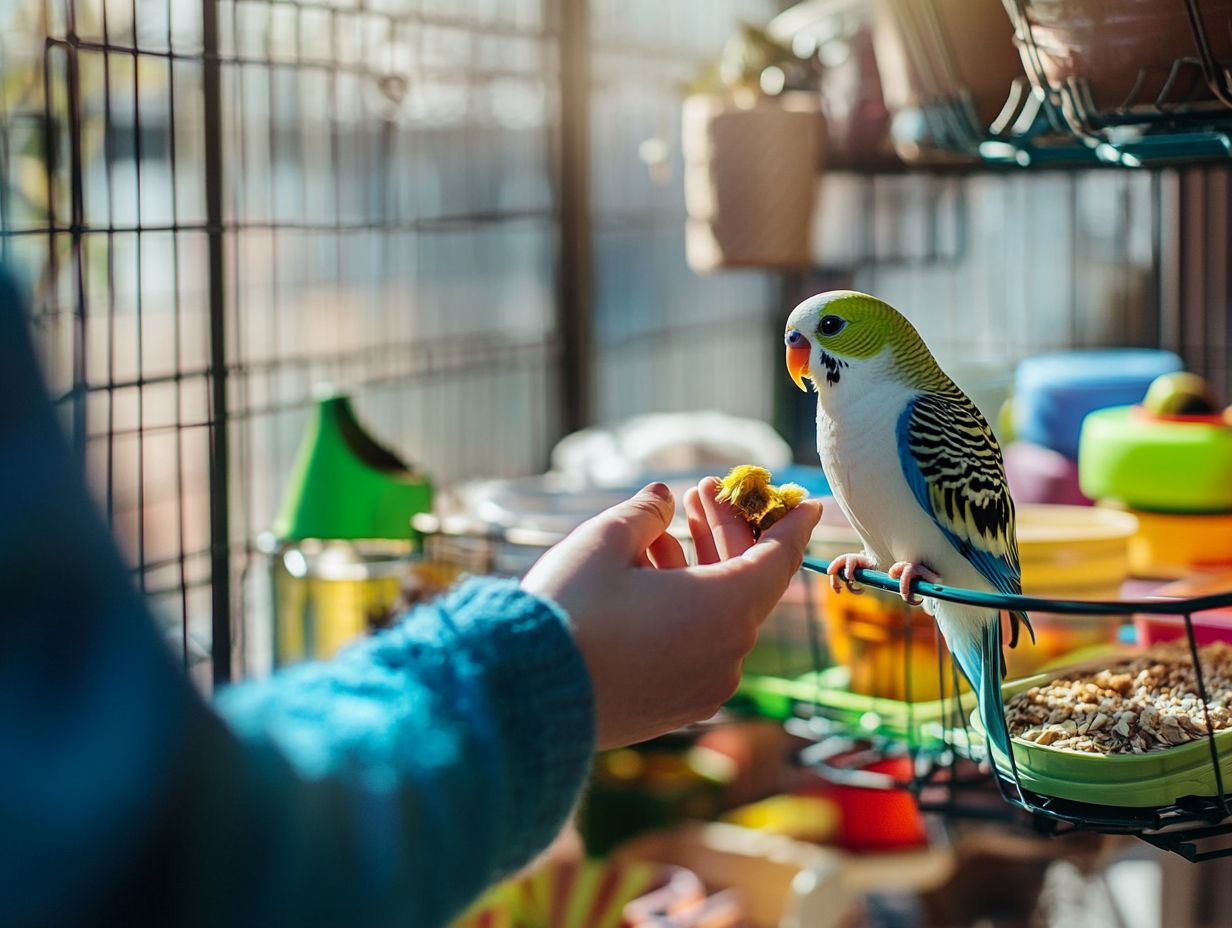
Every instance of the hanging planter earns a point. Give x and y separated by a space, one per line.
751 180
752 152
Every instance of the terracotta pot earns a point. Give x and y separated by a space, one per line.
751 179
935 54
1122 51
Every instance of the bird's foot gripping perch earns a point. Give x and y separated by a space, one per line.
843 569
905 572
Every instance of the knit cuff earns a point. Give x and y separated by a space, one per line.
541 699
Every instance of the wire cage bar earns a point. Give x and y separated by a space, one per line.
217 205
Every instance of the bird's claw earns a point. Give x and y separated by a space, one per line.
905 572
842 572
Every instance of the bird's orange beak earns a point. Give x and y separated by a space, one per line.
798 364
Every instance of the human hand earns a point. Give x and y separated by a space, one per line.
664 642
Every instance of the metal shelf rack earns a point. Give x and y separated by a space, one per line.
1196 827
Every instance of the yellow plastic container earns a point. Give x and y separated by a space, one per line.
1069 552
1074 552
328 593
1066 552
876 635
891 648
1171 546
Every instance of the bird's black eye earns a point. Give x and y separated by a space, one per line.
832 325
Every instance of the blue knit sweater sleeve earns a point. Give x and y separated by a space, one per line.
455 745
386 787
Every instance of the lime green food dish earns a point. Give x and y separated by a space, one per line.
1153 464
1139 781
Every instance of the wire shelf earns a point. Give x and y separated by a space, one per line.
1197 827
942 126
1180 113
1183 113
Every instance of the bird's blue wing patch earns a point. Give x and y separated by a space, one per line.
953 465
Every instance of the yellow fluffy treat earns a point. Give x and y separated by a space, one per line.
750 492
748 489
792 494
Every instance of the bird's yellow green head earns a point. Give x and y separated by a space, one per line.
833 332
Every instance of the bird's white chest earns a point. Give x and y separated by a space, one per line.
858 450
857 442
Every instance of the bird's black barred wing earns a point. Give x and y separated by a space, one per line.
953 464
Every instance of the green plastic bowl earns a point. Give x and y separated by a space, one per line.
1158 465
1139 781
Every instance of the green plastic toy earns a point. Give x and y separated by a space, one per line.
346 486
1155 464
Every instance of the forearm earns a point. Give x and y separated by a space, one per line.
395 782
386 787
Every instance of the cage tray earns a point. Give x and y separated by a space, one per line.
826 693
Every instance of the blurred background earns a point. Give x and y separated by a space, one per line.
417 243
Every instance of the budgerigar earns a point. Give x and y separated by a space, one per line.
915 467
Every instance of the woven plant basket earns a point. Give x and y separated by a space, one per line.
751 179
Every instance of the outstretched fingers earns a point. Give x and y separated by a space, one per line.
699 528
732 534
633 527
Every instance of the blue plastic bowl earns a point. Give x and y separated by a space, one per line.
1053 393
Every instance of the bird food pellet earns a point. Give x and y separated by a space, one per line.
1139 705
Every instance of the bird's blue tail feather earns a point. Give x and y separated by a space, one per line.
980 661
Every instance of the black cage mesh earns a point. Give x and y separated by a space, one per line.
220 206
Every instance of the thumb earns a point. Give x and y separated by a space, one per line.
634 524
779 553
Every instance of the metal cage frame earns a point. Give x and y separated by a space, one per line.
301 173
1184 827
1171 130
